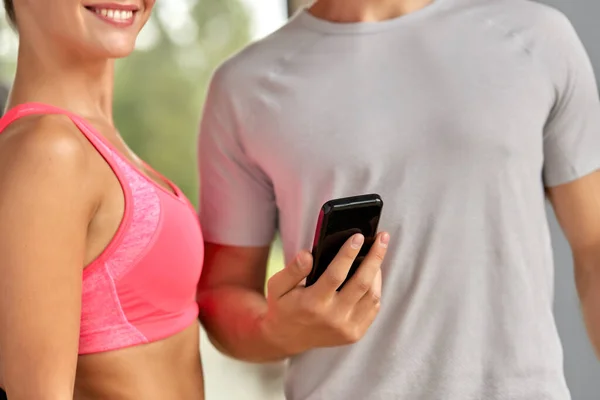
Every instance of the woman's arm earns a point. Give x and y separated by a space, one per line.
45 208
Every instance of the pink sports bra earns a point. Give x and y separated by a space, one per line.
142 288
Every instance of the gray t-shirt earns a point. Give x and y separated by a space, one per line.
458 115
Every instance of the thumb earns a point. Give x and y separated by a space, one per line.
291 276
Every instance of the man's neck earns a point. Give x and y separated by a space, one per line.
365 10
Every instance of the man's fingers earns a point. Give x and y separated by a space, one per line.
291 276
368 275
377 285
337 271
367 308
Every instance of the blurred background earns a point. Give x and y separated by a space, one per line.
158 102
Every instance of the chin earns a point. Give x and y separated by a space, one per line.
117 50
120 53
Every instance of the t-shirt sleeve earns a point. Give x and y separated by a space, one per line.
237 201
572 132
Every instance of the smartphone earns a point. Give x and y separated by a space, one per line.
339 219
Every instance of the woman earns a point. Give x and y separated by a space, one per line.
101 255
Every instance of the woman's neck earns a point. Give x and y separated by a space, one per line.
82 87
347 11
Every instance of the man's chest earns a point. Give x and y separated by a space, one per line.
366 113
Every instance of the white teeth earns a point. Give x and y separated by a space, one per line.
117 15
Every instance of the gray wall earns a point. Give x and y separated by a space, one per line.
581 367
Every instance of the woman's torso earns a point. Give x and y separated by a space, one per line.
139 330
168 369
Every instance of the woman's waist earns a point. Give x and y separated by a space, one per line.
170 368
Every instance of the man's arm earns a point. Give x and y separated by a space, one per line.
291 319
238 212
571 142
232 301
577 207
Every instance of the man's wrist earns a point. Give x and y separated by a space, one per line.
274 339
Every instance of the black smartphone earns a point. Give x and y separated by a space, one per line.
339 219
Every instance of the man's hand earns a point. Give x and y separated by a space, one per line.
300 318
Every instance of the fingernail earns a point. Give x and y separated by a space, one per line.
357 241
384 239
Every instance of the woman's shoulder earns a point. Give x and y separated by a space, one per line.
44 140
44 151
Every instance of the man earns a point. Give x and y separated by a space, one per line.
464 115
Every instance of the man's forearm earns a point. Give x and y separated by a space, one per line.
232 318
587 276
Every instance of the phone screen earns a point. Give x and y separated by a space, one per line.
337 227
343 224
